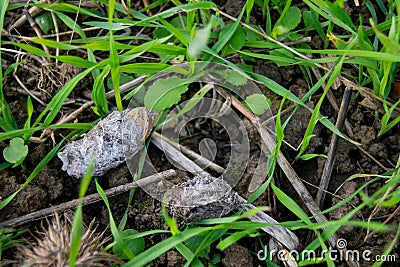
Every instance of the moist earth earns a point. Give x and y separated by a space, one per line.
52 186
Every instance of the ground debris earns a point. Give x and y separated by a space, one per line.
201 198
205 197
115 138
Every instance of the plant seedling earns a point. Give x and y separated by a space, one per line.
16 151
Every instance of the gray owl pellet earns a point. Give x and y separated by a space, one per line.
115 138
205 197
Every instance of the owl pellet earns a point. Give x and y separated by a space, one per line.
117 137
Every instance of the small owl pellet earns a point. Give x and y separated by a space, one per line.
205 197
117 137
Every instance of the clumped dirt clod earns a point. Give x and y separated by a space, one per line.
237 256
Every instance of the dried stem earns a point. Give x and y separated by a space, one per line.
200 160
333 103
290 173
27 90
283 235
38 32
330 161
86 200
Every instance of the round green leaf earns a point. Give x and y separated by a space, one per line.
258 103
289 21
136 245
164 93
16 150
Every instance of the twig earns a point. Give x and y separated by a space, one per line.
38 32
327 172
124 88
176 156
13 51
146 4
33 11
86 200
333 103
127 9
27 90
53 17
290 173
200 160
24 92
397 210
366 94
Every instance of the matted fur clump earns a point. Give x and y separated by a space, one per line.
52 247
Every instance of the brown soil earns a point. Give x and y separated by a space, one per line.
52 186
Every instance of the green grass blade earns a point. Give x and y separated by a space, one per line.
380 56
223 40
280 90
114 229
275 59
166 49
31 49
72 60
389 248
333 13
290 204
165 245
77 225
99 92
249 7
114 60
58 100
8 121
54 44
176 32
144 68
233 238
211 237
314 116
12 67
333 229
70 23
115 26
172 11
104 44
68 8
18 132
75 61
188 254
